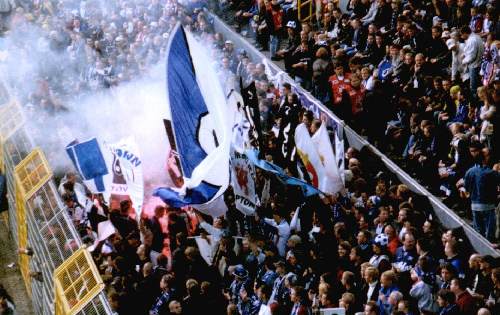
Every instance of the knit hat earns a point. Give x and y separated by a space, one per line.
381 240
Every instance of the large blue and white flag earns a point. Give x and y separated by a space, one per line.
201 122
91 162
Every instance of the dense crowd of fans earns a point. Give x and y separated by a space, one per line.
397 72
420 79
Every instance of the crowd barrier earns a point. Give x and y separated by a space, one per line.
446 216
60 275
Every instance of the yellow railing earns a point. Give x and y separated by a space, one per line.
59 277
77 281
30 174
305 10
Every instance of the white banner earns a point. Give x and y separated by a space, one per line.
310 157
130 163
206 249
243 182
339 155
214 208
321 140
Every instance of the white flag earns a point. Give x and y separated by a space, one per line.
243 182
339 155
321 140
128 154
310 157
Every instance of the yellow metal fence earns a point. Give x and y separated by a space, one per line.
60 276
305 10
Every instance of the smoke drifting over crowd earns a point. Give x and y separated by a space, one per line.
78 77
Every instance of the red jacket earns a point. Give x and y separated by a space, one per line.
465 303
356 96
338 86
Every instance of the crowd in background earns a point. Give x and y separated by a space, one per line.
396 71
419 79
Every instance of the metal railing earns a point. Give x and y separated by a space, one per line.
37 219
305 10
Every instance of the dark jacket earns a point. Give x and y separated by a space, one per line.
373 297
451 309
356 38
482 183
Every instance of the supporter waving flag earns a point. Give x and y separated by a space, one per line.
200 124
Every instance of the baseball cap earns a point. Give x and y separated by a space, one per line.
291 24
240 272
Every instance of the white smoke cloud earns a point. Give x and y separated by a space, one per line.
136 108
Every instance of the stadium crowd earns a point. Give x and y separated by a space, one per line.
418 78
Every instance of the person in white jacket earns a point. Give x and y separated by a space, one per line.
282 231
457 55
473 53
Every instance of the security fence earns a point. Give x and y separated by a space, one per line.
60 275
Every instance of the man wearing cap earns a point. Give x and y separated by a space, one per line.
279 283
240 277
230 54
292 42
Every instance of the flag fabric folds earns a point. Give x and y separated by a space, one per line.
200 123
339 153
251 106
89 160
253 156
243 182
310 157
127 153
333 181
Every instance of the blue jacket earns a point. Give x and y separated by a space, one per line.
249 307
405 260
482 182
462 113
386 307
